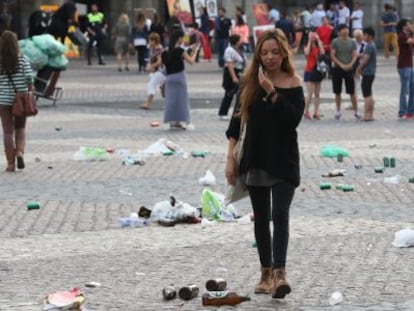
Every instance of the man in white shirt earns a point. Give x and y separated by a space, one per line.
316 16
274 15
344 13
356 17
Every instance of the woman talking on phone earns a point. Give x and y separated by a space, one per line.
271 103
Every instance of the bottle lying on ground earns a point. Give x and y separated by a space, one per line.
169 292
221 298
218 284
188 292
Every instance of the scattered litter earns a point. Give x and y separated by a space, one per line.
206 222
208 180
162 146
169 292
325 186
110 150
220 270
133 221
199 154
372 145
379 169
404 238
335 173
122 152
411 180
173 211
155 124
133 160
213 207
392 180
144 212
358 166
33 205
93 284
50 167
140 274
336 298
90 154
331 151
58 129
64 300
37 160
254 244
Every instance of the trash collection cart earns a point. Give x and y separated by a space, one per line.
45 84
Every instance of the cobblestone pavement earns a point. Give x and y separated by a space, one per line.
339 240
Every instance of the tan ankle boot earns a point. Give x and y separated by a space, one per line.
265 284
281 286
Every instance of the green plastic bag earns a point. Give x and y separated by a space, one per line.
49 45
90 154
58 62
36 57
331 151
212 204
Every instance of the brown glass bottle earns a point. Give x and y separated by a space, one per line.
188 292
214 285
223 298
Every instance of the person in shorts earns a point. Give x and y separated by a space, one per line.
367 69
343 56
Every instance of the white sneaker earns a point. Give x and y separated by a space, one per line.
224 118
338 115
189 127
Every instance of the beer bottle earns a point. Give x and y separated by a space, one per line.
222 298
218 284
188 292
169 292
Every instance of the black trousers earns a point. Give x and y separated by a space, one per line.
99 41
141 57
227 100
272 203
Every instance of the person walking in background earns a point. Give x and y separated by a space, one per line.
235 63
305 16
222 31
139 37
367 68
15 74
333 15
360 47
274 14
177 104
196 37
316 16
405 69
205 29
241 29
271 105
343 56
357 17
312 77
96 28
389 23
122 33
155 69
157 27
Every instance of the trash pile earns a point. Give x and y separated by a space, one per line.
216 295
44 50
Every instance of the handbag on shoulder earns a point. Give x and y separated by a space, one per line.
24 104
239 190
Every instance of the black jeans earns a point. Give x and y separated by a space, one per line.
141 57
99 41
226 102
272 253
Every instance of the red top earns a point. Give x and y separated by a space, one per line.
311 58
405 58
324 32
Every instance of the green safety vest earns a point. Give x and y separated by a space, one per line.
96 18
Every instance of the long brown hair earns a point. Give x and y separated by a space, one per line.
140 21
9 52
249 83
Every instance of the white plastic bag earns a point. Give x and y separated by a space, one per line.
404 238
208 180
336 298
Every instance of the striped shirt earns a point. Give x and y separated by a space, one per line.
21 79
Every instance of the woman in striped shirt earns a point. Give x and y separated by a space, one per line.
14 70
